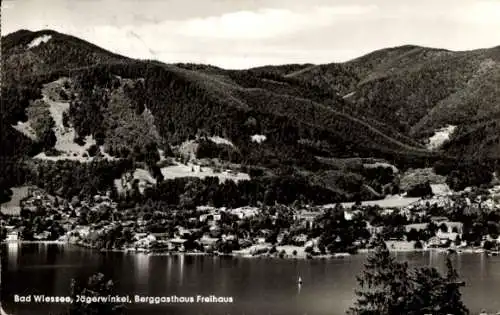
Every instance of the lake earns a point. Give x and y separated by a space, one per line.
257 286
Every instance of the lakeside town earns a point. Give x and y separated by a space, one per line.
454 222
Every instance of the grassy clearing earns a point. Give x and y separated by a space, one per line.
192 170
65 135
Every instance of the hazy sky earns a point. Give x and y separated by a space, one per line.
246 33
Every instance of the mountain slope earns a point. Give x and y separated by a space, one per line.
416 90
27 53
299 118
66 99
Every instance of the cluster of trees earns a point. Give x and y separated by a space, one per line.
67 178
466 173
478 225
86 111
39 222
12 173
420 190
70 178
42 123
16 97
189 192
209 149
95 286
338 234
136 92
114 238
119 127
389 287
280 84
379 177
476 136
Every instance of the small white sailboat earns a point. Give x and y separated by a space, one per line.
299 281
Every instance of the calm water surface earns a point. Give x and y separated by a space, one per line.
258 286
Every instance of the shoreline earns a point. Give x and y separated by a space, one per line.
34 242
247 253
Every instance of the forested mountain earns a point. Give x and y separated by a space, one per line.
381 105
416 90
186 99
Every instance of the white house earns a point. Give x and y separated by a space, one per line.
12 236
245 212
146 241
441 190
445 236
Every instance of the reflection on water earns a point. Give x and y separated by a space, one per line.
181 268
141 262
482 264
12 254
258 286
52 254
169 269
434 258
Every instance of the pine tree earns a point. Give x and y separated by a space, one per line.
385 285
427 292
452 298
389 288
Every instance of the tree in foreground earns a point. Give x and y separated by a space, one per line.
385 286
388 287
96 286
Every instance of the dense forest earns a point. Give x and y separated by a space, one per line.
308 114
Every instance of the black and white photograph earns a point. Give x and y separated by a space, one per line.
250 157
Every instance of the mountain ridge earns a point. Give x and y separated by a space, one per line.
383 105
25 37
361 82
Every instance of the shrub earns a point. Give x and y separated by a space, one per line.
420 190
273 250
418 245
93 150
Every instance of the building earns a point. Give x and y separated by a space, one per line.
183 232
207 241
161 236
176 244
441 190
212 217
452 227
146 242
12 236
300 240
304 215
307 218
374 230
457 227
350 214
447 236
439 220
416 226
245 212
434 242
